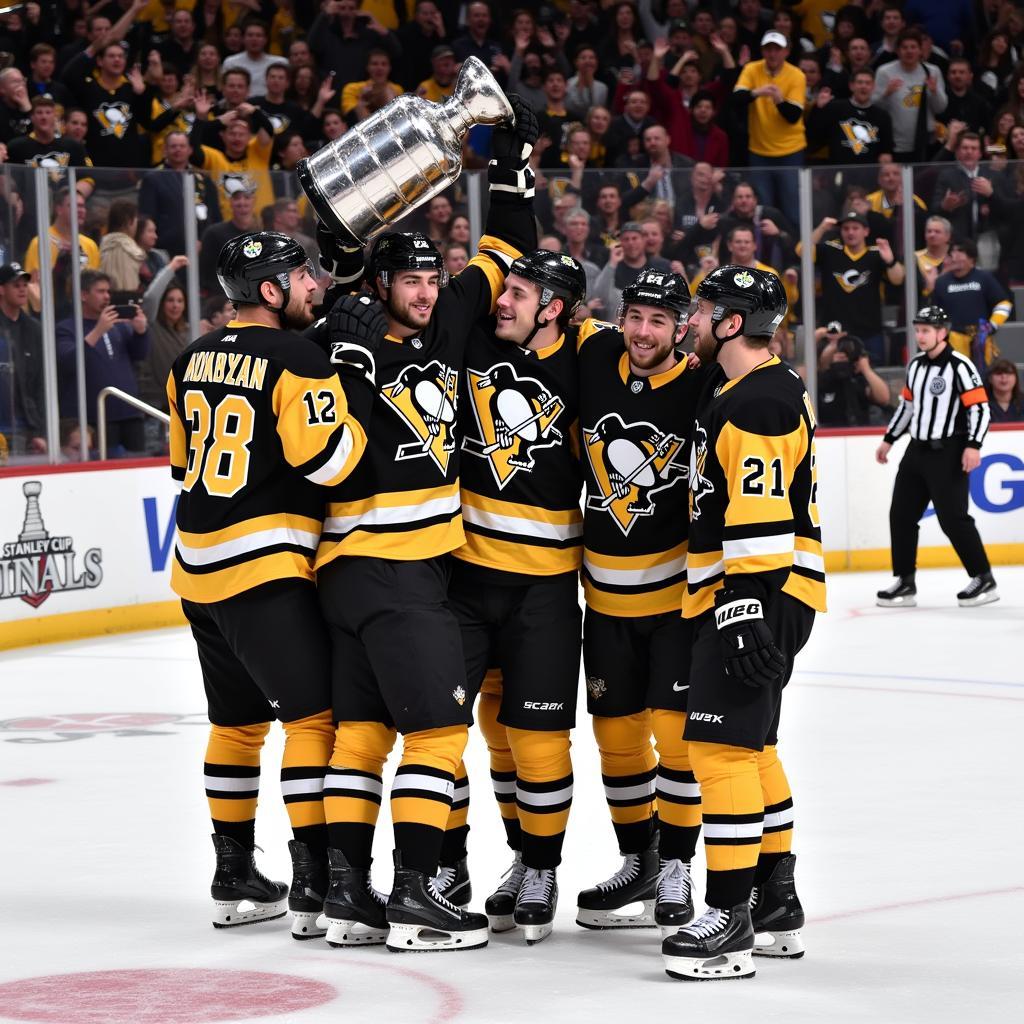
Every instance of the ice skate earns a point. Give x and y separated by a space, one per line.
306 896
901 593
673 905
716 947
241 893
501 904
453 883
422 920
981 590
354 911
536 903
626 900
776 914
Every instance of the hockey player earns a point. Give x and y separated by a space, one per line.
638 398
260 423
514 582
755 578
383 577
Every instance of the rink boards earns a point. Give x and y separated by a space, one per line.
87 550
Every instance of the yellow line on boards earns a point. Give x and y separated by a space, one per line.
50 629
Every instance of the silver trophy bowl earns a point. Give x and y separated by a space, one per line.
400 157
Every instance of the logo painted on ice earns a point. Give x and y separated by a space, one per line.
80 726
37 565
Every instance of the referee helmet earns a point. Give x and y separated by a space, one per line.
933 316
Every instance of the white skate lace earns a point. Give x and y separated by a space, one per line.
974 586
711 921
440 897
445 878
674 882
512 880
626 874
753 898
537 886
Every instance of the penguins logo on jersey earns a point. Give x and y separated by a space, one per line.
700 485
852 279
859 135
426 397
233 182
514 416
54 162
631 462
115 119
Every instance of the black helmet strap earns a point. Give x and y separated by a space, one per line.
716 319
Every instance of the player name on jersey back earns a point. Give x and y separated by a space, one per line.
633 437
259 425
520 469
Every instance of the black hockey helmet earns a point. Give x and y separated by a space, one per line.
247 261
656 288
405 250
757 295
933 316
557 273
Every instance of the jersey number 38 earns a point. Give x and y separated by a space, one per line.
218 443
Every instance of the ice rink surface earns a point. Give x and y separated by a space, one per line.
901 734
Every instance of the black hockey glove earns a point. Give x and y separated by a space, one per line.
355 329
748 648
511 144
341 256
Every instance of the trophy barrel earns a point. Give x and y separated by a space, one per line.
400 157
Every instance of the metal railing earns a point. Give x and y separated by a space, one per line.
135 403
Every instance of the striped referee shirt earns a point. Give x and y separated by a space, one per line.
941 398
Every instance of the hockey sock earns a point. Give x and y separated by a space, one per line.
503 767
777 840
308 743
733 812
543 793
456 832
628 767
677 789
353 788
421 795
232 778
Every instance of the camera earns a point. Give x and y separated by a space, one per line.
127 312
851 347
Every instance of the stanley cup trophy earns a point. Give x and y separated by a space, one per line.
404 154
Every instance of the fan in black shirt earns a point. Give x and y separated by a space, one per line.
856 131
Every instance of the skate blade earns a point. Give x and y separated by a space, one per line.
235 913
599 920
976 602
534 933
353 933
896 602
724 967
781 945
308 924
501 922
418 938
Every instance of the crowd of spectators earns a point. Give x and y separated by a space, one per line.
671 135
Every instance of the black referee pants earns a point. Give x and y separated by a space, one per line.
933 474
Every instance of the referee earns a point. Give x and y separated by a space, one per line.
944 408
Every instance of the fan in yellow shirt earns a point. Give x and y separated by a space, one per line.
360 99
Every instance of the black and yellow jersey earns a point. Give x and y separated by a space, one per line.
753 490
402 502
633 433
260 424
521 476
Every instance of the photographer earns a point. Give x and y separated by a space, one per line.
848 388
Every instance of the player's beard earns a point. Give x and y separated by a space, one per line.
651 358
406 317
297 315
704 346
